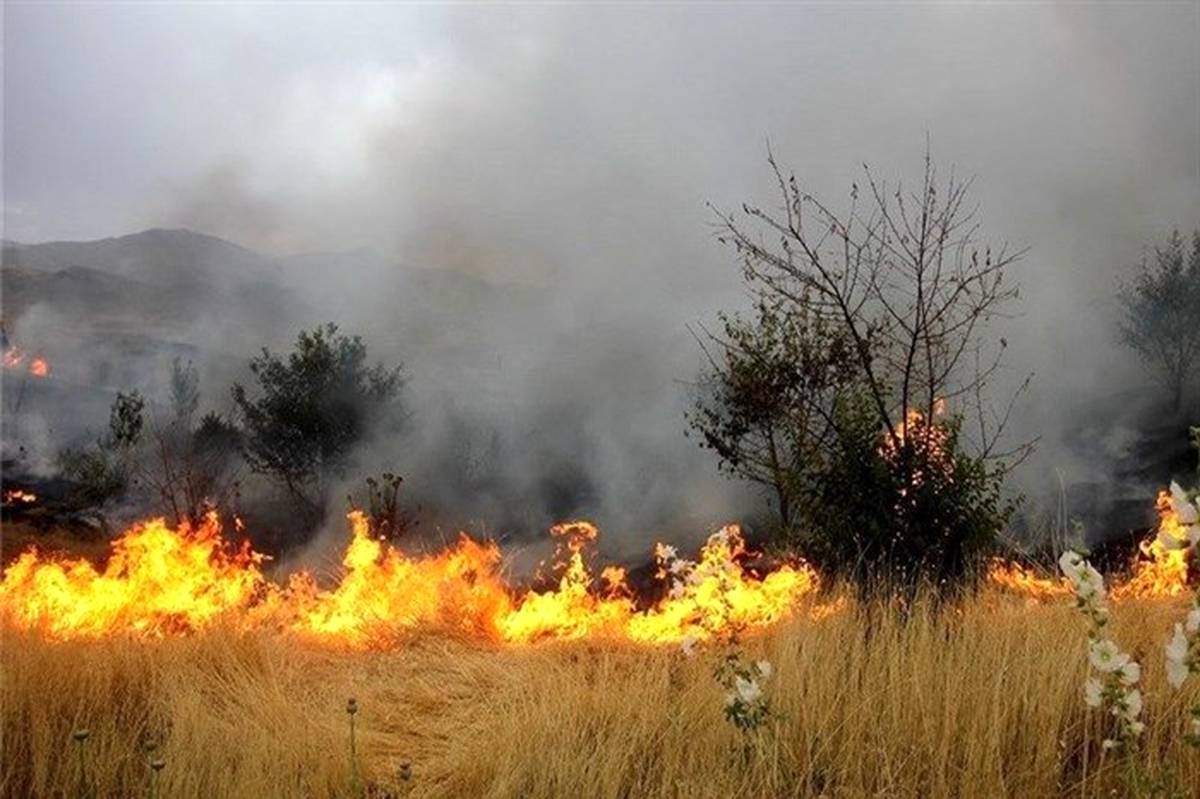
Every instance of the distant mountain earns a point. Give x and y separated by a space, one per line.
214 297
159 257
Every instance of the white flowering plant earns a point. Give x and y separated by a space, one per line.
747 706
1112 674
1183 650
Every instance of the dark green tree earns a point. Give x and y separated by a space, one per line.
310 409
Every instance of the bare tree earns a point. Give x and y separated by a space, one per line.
903 276
1160 311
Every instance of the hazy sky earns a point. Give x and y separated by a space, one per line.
577 147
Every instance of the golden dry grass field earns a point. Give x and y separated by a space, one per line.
983 700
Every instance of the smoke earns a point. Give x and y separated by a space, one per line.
564 159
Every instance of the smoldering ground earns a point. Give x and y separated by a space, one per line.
562 159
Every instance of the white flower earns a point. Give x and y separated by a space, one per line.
1108 744
1192 625
1089 583
1133 705
1093 692
1090 588
764 668
1184 509
1105 656
1193 534
1137 727
677 591
1131 672
1070 563
666 552
688 645
747 690
1177 673
731 698
679 567
1177 648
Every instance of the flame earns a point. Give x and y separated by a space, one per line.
1016 579
14 357
17 496
160 581
927 436
157 581
1159 570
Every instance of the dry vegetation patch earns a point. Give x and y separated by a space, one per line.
979 700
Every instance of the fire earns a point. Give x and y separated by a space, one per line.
17 496
160 581
383 590
1016 579
1160 571
927 436
14 357
157 581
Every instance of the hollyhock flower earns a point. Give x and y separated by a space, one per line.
747 690
1131 672
1106 656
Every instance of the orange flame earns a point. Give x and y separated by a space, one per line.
159 582
927 436
1159 571
1016 579
17 496
15 356
156 582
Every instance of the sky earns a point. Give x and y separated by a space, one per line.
584 148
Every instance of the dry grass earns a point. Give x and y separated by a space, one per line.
984 701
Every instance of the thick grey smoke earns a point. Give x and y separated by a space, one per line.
567 155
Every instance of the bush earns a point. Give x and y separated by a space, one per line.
896 518
102 471
312 408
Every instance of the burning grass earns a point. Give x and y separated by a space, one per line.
468 686
969 701
160 582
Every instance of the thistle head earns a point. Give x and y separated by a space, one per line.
351 706
81 734
158 764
